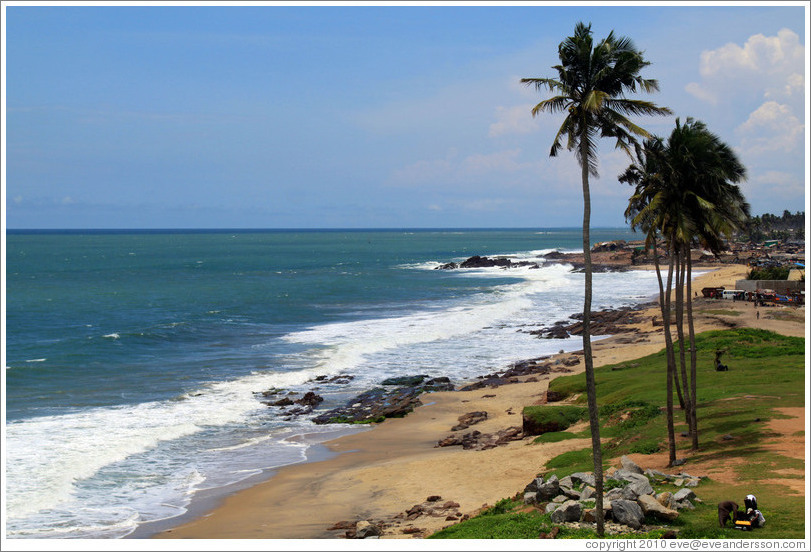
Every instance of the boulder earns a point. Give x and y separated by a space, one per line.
650 505
581 477
587 493
567 482
364 530
630 465
533 485
570 493
549 490
665 499
530 498
629 493
551 507
690 483
683 505
656 474
590 514
624 475
627 512
568 511
640 485
683 494
614 493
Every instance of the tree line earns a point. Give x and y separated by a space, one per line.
767 226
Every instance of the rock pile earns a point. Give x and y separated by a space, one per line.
476 440
629 500
403 522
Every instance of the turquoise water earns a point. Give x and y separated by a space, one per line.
132 359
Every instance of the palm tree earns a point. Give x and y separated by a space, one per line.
685 191
591 84
644 212
704 170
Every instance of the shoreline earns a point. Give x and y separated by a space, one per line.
380 473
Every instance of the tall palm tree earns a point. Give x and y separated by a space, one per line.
704 171
688 194
644 211
591 86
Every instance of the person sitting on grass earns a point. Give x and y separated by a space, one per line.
718 366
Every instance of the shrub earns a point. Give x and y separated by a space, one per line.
769 273
544 419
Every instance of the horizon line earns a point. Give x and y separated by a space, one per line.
309 229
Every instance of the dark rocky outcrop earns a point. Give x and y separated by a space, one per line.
339 380
310 399
404 380
477 261
605 322
380 403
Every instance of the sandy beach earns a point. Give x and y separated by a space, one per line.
381 473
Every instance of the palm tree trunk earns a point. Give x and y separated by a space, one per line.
693 353
667 330
591 386
688 401
671 433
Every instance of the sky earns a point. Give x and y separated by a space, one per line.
144 115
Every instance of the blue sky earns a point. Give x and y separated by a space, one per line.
270 116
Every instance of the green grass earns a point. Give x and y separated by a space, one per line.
554 418
766 372
555 437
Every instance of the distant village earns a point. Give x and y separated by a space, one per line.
769 243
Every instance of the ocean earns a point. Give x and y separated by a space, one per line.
134 359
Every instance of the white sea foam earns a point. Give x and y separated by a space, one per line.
112 336
49 458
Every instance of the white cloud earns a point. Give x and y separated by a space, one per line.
771 128
514 120
770 66
761 54
701 93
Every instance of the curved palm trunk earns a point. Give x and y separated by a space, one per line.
591 386
671 362
693 353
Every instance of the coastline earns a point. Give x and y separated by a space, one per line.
380 473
